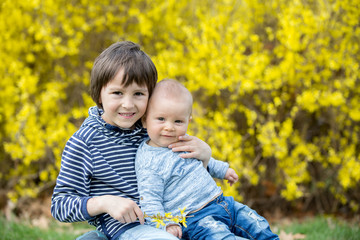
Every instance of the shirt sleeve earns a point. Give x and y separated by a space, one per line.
151 187
151 190
71 193
217 169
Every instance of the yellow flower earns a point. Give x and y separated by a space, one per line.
182 211
183 221
158 222
175 219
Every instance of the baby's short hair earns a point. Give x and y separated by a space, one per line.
137 66
171 88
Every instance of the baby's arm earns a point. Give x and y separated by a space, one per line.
201 150
174 230
217 169
231 176
151 189
195 148
151 185
221 170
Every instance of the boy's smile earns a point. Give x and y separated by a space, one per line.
127 115
123 106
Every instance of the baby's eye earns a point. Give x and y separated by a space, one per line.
161 119
178 121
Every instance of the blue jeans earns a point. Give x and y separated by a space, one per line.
224 218
140 232
145 232
92 235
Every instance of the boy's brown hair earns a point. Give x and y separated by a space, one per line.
126 55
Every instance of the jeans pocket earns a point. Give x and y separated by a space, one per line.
225 205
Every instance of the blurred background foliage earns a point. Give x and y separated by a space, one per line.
276 87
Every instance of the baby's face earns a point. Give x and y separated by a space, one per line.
166 120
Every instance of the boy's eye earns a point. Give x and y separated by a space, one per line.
160 118
178 121
139 94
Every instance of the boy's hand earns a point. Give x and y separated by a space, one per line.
231 176
174 230
195 147
122 209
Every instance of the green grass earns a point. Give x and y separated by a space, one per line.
318 228
56 231
324 228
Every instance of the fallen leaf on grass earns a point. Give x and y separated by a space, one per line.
41 222
289 236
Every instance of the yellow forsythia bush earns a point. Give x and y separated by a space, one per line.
276 87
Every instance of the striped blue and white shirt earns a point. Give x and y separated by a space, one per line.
99 159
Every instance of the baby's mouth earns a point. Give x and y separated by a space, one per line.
168 136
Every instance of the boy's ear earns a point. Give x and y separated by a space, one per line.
143 121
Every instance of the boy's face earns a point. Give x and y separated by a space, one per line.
166 120
123 106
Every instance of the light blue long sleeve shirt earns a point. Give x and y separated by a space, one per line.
168 183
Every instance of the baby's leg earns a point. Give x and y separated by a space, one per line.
210 229
249 223
211 222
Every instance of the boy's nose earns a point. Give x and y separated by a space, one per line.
127 102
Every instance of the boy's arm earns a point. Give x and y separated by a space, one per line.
195 148
71 201
71 193
122 209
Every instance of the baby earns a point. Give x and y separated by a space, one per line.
167 182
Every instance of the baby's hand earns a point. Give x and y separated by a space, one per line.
174 230
231 176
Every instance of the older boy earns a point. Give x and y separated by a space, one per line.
97 180
168 182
